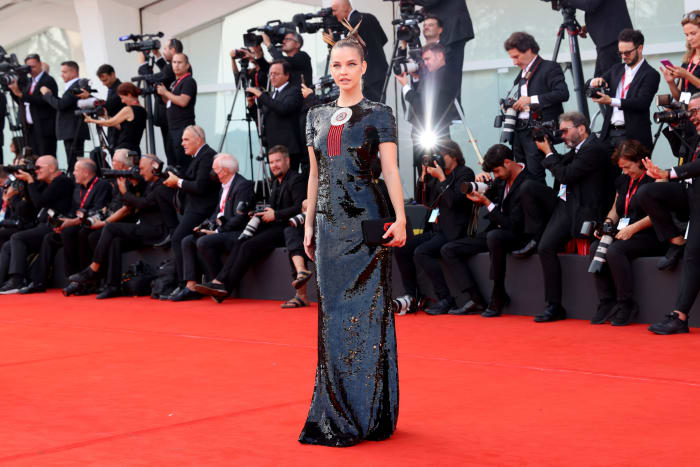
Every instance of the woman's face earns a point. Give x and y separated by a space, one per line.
692 35
631 168
347 67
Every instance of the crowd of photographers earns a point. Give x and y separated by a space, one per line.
603 201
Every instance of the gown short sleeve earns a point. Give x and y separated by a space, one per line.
310 131
386 125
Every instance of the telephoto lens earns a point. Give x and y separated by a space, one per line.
509 121
404 304
297 220
600 254
250 228
479 187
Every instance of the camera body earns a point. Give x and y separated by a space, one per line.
142 42
479 187
130 173
298 220
11 70
429 160
252 226
588 228
606 231
89 217
507 119
91 106
28 167
54 219
407 64
328 22
275 29
207 224
542 130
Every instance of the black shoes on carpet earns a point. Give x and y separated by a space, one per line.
553 312
672 325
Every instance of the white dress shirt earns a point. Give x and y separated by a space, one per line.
618 116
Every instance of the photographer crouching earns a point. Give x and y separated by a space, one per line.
629 229
448 219
155 221
286 195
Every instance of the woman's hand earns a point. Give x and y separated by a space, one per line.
397 232
668 74
626 233
309 243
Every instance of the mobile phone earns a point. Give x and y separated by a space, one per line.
666 63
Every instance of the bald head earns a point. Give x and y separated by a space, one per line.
85 169
341 9
225 166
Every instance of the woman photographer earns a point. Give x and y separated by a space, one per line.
131 119
686 78
634 238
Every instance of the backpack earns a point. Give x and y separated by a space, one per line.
165 280
136 281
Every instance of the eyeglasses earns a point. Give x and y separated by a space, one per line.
274 73
691 16
288 39
566 129
625 53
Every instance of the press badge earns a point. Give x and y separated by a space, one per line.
562 192
624 222
685 98
168 104
434 215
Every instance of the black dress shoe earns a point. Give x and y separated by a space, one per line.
177 290
604 312
12 285
33 287
212 289
109 291
551 313
217 299
672 325
86 275
673 256
185 295
527 250
442 307
625 312
74 288
469 308
496 305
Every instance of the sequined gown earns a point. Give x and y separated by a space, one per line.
356 396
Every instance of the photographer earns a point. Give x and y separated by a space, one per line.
504 233
17 214
155 222
90 194
633 84
300 69
604 21
439 189
286 195
70 128
431 99
257 75
179 98
51 190
113 104
281 113
634 238
541 87
685 79
372 33
555 216
130 120
681 196
200 192
38 117
209 243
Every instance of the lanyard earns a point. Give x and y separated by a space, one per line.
87 193
180 79
624 88
690 71
631 191
529 73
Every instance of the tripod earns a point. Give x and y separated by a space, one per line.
148 94
573 28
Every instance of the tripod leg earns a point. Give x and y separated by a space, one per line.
577 73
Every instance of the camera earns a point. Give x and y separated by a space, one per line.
671 116
326 90
141 42
88 218
596 92
328 22
506 120
252 226
130 173
558 4
406 65
275 29
28 167
403 305
549 130
11 70
251 39
91 106
471 187
54 219
207 224
607 231
297 220
429 160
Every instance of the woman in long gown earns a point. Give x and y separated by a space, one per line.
356 396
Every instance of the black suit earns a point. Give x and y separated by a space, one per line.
3 112
453 222
160 117
585 175
372 33
548 84
210 248
285 199
505 233
113 104
70 128
42 132
635 105
604 21
201 195
456 32
281 122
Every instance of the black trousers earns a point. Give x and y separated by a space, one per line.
24 243
50 244
424 250
205 253
189 221
525 151
182 160
614 282
5 249
78 248
456 253
294 242
41 145
245 253
501 242
538 202
74 149
115 239
606 57
373 90
454 60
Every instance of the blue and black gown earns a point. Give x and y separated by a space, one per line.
356 396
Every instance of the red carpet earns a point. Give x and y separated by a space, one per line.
143 382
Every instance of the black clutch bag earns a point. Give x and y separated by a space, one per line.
374 229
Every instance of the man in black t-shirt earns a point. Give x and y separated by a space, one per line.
300 62
180 100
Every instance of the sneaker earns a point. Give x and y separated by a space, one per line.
672 325
604 312
33 287
12 285
625 312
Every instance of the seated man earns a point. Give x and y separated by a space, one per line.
504 233
286 195
156 220
52 190
294 241
226 222
448 220
553 217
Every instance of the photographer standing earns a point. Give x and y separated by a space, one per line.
300 69
38 117
180 99
255 76
633 84
555 216
69 127
685 79
439 189
113 104
541 88
372 33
